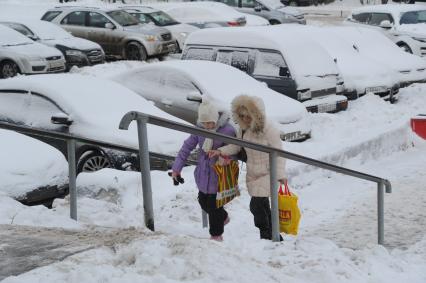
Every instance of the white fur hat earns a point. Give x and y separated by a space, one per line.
207 112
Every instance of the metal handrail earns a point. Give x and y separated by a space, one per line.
71 154
143 119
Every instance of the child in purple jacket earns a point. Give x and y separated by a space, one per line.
210 119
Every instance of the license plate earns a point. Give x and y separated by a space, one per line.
56 64
322 108
291 136
375 89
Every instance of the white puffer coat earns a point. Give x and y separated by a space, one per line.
259 131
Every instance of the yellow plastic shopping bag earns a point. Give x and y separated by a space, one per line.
289 212
227 176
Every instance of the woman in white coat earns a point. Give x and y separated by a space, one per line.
249 113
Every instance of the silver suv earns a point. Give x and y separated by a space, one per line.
119 33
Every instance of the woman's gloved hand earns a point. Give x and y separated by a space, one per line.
177 178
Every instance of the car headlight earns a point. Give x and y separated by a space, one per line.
151 38
72 52
420 39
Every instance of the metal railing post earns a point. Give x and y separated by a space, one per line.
145 173
204 218
72 173
274 196
380 213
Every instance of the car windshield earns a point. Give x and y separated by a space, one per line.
413 17
162 19
123 18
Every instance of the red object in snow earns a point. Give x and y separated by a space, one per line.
418 125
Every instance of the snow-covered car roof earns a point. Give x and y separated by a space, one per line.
199 11
102 8
27 164
142 9
304 56
395 9
97 106
12 37
45 30
222 83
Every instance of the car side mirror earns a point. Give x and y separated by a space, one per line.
258 8
61 119
194 97
386 24
284 72
109 26
34 37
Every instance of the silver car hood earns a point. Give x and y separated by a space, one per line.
146 29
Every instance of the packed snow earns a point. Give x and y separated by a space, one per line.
338 232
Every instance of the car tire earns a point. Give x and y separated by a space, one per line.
92 161
135 51
8 69
405 47
274 22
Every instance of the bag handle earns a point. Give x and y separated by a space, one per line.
286 189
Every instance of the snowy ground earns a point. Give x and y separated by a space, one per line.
338 232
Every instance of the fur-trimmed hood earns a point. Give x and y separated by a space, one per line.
253 106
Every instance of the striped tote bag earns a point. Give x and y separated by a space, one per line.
227 182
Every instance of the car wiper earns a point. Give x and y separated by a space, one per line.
9 45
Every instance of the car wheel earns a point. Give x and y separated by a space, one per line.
274 22
8 69
92 161
135 51
405 47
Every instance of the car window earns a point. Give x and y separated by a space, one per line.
361 18
123 18
178 82
413 17
377 18
142 18
240 60
224 56
41 110
14 106
268 63
75 19
200 54
50 15
233 3
248 3
97 20
162 19
20 28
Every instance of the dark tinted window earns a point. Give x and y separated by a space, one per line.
413 17
361 18
97 20
143 19
49 16
20 28
200 54
377 18
75 19
248 3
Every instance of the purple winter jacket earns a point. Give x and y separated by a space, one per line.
205 176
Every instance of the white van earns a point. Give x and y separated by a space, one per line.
297 67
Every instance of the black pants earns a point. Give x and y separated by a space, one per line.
217 216
259 207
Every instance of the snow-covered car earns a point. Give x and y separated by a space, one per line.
295 66
147 15
404 24
31 171
77 51
178 87
272 10
21 55
208 14
88 107
360 74
120 34
377 47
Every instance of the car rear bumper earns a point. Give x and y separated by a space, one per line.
327 104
